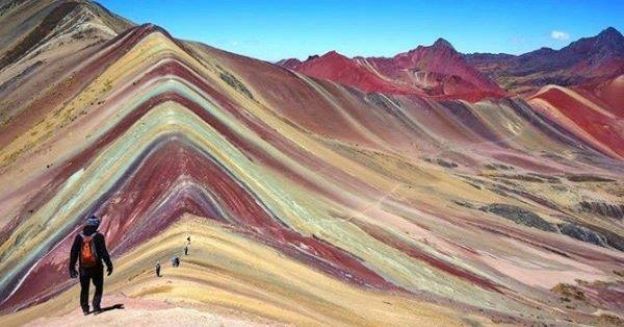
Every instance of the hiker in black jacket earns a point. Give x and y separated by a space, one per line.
89 250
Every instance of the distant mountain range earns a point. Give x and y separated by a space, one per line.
586 60
440 71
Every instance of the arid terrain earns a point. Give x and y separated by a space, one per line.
431 188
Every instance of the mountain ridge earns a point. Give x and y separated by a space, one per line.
587 60
438 71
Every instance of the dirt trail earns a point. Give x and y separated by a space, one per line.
141 312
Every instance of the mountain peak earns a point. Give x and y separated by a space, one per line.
332 53
611 34
610 31
611 41
290 63
442 43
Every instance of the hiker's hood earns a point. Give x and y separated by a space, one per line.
88 230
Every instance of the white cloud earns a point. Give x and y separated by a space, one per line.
559 35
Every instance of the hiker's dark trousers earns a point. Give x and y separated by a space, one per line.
88 275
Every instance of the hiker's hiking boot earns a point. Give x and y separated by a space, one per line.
85 311
97 311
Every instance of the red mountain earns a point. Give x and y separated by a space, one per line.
437 71
353 72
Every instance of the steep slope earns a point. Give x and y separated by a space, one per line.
39 45
308 202
597 124
43 23
588 60
608 94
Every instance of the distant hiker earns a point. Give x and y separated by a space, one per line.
175 261
186 250
157 268
188 240
89 249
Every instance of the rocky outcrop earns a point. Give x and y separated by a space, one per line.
612 210
519 216
613 239
583 234
599 237
442 162
588 178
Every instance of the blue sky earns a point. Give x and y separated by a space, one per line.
272 30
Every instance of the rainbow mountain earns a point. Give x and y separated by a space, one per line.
309 202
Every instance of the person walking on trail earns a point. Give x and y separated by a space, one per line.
188 240
175 261
186 250
89 250
157 268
